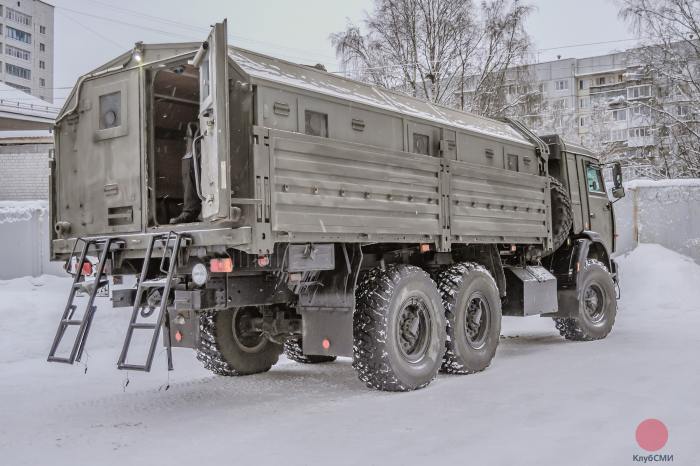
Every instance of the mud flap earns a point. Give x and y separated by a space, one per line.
327 307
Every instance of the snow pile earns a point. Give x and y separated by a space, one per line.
656 279
30 308
19 211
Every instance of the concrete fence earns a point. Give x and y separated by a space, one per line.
24 240
666 212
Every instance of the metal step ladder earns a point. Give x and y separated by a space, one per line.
151 286
102 246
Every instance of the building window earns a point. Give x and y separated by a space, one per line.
18 71
541 88
638 92
42 82
42 29
639 132
316 123
619 115
16 16
580 84
618 135
582 103
421 144
582 121
42 64
560 104
110 110
18 53
594 179
682 110
601 80
42 48
561 85
16 34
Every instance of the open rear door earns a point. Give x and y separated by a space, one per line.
212 61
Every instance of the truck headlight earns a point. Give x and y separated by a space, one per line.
200 274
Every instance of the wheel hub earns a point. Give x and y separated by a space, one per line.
244 333
477 320
593 303
413 329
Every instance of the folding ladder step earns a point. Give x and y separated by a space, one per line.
157 283
102 247
71 321
141 325
172 243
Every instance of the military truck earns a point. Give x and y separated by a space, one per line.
337 219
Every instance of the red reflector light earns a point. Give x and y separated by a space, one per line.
263 261
87 268
221 265
326 343
178 336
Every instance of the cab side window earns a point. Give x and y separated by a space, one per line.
594 179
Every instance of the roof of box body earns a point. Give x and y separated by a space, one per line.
270 69
308 78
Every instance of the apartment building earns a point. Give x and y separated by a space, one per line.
609 103
27 46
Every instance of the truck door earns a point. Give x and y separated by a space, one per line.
99 157
599 206
212 61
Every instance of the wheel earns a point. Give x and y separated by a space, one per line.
562 217
230 346
473 312
597 307
399 329
292 349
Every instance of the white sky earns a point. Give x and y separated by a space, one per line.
91 32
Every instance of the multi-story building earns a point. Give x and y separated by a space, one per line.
611 103
27 46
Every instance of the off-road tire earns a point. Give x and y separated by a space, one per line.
467 288
387 303
562 216
583 327
221 353
293 351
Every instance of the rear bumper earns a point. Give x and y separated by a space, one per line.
135 243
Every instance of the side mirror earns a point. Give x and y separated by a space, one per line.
618 190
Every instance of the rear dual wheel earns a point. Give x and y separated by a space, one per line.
230 345
473 311
399 329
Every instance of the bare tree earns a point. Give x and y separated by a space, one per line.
451 52
671 28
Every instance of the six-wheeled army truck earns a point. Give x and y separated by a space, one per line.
337 219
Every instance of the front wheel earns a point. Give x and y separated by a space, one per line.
399 329
230 345
597 306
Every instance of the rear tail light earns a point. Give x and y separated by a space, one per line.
87 268
224 265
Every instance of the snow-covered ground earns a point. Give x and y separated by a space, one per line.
543 401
